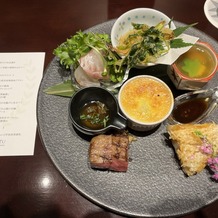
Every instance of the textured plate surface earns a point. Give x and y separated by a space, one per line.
154 184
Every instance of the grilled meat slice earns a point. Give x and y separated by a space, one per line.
109 152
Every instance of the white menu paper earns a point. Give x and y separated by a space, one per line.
20 77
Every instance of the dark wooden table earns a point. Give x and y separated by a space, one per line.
38 25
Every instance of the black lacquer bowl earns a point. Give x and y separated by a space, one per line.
94 94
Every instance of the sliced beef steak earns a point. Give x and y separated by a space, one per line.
109 152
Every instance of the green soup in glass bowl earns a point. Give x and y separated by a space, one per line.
195 68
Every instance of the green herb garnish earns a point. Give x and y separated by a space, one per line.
179 30
179 43
199 134
95 119
94 115
64 89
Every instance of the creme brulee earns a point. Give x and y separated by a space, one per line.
145 99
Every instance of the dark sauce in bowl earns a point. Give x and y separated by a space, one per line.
94 115
190 110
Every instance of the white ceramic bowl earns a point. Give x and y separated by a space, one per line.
147 16
146 101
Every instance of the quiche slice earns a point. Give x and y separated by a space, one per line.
188 141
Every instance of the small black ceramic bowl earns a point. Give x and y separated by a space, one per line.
87 95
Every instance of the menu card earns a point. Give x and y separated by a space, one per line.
20 76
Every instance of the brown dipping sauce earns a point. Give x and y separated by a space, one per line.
94 115
190 110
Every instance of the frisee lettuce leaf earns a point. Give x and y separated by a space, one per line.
78 45
81 43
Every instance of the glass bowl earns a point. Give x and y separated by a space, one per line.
194 107
195 68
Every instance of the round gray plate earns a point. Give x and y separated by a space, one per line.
154 184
